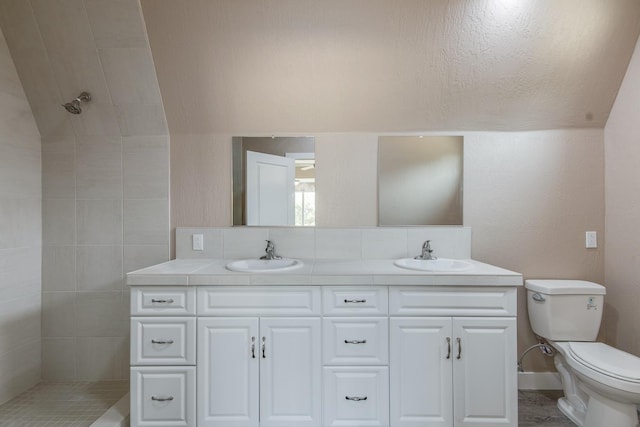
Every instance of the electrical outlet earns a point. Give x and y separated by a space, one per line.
197 242
591 239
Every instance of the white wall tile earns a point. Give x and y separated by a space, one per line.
20 222
99 315
146 167
244 242
294 242
146 222
63 24
99 222
78 70
97 119
58 268
213 243
338 243
141 119
116 23
384 243
59 170
19 321
123 68
19 25
18 126
99 268
99 169
58 314
20 172
59 359
102 358
141 256
58 222
37 77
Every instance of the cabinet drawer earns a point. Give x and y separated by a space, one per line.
259 301
356 396
163 301
163 396
452 301
355 341
163 341
359 301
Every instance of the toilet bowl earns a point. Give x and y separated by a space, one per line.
601 384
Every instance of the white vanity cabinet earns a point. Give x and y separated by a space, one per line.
447 369
263 370
163 357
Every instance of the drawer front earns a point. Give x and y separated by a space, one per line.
449 301
163 341
259 301
358 301
356 396
355 341
163 301
163 396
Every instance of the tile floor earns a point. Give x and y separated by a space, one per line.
79 404
62 404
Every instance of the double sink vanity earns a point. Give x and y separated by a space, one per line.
229 341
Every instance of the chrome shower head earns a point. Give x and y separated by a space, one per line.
74 106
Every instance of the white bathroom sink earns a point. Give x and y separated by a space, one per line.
264 265
440 264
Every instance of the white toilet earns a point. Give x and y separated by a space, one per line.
601 384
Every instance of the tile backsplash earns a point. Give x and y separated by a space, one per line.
325 243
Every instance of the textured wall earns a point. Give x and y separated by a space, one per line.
20 235
105 173
378 65
622 184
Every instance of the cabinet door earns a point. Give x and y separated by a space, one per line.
420 372
290 372
485 371
228 355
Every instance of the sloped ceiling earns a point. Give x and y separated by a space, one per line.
381 65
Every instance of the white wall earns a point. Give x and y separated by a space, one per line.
622 189
20 235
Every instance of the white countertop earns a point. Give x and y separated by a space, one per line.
206 272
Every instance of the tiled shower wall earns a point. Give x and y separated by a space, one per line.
20 235
105 172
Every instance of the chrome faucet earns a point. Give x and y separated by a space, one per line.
271 252
426 252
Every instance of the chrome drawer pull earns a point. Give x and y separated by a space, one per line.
448 347
355 398
163 301
354 301
459 341
162 399
161 341
264 347
253 347
355 341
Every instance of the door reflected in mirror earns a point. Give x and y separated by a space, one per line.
274 181
420 180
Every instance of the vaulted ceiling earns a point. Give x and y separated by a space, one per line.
381 65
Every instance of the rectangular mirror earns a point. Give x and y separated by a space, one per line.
274 181
420 180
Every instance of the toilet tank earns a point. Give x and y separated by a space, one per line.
565 310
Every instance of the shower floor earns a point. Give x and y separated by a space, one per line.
69 404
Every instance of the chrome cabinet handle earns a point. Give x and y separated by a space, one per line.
448 347
354 301
355 398
253 347
355 341
161 341
459 341
264 346
162 399
163 301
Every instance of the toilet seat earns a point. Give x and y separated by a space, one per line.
607 360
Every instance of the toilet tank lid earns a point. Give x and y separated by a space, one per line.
559 287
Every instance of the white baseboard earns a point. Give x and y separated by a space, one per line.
539 381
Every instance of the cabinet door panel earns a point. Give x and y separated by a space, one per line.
485 375
420 372
228 372
290 372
